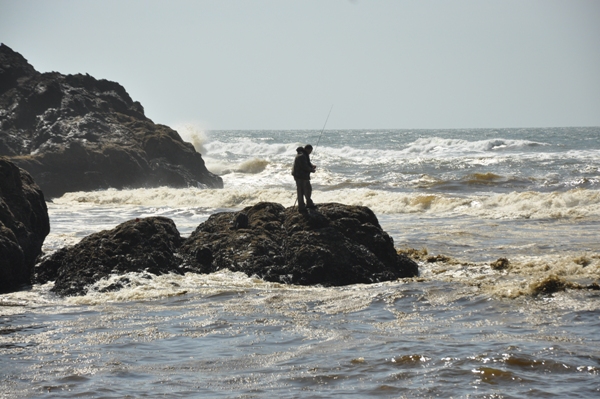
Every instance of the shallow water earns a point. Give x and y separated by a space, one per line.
227 335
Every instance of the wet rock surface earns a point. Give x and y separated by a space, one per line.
24 225
138 245
331 245
78 133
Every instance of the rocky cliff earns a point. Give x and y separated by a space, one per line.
78 133
23 226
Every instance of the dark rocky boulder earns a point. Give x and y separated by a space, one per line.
332 245
24 225
147 244
78 133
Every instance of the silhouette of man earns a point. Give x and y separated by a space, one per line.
301 171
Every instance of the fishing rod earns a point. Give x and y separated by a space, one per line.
322 130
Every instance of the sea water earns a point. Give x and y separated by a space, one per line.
465 328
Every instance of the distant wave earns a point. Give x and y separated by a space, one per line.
424 147
422 154
438 145
436 148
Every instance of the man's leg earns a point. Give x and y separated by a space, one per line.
300 194
308 194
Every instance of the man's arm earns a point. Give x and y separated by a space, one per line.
305 165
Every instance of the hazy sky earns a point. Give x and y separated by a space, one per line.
281 64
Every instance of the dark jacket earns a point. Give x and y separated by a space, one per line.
302 166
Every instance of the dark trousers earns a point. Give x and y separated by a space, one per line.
304 190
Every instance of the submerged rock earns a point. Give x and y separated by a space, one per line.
77 133
500 264
147 244
24 225
549 285
332 245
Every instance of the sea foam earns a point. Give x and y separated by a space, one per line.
577 203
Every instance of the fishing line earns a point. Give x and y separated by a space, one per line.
322 130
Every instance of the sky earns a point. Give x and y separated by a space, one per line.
282 64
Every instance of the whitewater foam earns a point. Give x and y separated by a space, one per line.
577 203
520 278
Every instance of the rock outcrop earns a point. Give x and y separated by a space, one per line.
24 225
332 245
78 133
147 244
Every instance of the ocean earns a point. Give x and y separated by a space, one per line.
504 224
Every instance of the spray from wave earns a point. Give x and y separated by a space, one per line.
194 134
250 166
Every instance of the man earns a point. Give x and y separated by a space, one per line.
301 171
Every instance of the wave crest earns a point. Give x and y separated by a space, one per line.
443 146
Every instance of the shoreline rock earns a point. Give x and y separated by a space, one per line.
331 245
78 133
147 244
24 224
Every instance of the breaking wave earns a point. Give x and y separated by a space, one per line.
250 166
